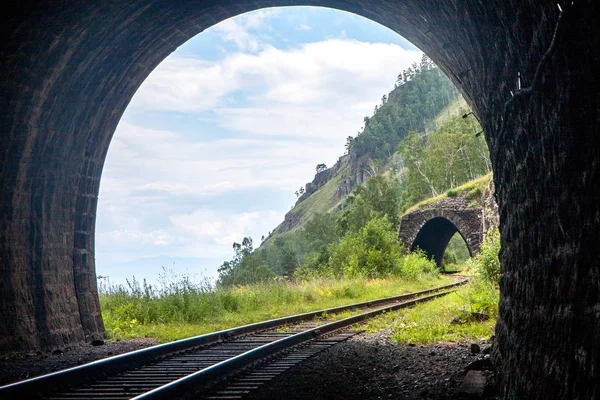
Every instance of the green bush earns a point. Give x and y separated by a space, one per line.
449 257
486 261
374 251
452 193
416 266
474 194
483 298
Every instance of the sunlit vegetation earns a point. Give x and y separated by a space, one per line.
471 190
179 308
411 166
360 240
442 160
456 254
347 250
468 314
421 92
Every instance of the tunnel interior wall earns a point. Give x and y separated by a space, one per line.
70 68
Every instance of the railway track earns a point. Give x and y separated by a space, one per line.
240 359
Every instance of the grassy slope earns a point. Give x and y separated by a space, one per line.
444 115
321 201
472 188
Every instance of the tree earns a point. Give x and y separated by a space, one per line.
321 167
319 232
426 63
422 93
246 266
348 145
445 158
378 197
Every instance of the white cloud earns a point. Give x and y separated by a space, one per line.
337 70
303 27
144 164
156 237
206 225
238 30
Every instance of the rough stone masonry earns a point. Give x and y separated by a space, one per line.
70 68
431 227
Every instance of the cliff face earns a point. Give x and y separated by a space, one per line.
349 171
290 221
358 172
320 179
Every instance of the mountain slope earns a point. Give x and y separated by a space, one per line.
420 102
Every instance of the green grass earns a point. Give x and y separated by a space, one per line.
432 322
472 190
185 310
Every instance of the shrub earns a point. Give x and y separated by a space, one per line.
374 251
486 261
416 265
474 194
483 298
452 193
449 257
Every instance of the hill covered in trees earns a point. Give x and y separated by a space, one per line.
415 145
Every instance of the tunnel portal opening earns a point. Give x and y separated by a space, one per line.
70 68
433 239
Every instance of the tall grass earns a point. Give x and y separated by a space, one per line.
179 307
443 319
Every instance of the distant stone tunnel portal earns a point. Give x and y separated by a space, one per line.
431 228
433 238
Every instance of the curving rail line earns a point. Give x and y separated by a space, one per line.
186 366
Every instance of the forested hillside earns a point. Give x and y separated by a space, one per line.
417 144
420 93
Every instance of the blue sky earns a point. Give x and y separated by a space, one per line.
222 133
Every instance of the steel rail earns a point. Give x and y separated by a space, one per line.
123 362
195 381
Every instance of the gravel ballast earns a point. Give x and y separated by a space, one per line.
365 367
373 367
19 366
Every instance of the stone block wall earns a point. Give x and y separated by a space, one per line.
432 227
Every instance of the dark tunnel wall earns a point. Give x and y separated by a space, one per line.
70 68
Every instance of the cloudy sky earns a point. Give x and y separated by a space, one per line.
220 136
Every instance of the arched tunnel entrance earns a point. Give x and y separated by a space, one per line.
433 238
528 70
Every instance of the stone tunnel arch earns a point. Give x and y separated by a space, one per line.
432 227
70 68
434 236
